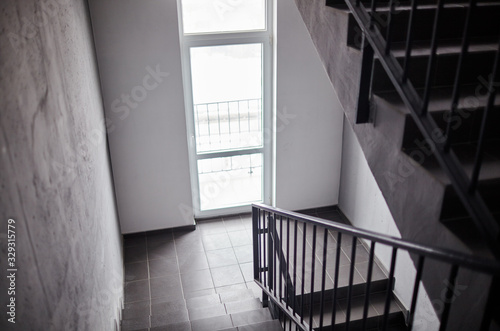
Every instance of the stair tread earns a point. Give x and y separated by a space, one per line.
273 325
490 169
376 309
448 46
440 98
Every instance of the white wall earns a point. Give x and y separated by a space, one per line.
138 52
309 122
364 205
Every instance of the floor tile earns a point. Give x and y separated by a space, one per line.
136 271
244 253
221 257
213 226
163 267
137 291
135 323
166 287
229 288
134 240
197 280
236 295
203 301
192 261
243 305
216 241
233 223
344 273
160 236
170 306
136 309
135 253
377 273
169 318
206 312
240 238
357 308
200 293
247 271
212 323
161 250
183 326
250 317
229 275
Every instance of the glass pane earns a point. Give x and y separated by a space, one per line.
211 16
230 181
227 97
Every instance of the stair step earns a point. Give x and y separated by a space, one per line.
273 325
485 22
375 313
477 63
357 290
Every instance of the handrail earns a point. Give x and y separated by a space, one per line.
269 251
441 254
375 43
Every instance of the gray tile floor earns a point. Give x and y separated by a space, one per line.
167 267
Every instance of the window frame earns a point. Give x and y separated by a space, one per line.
265 38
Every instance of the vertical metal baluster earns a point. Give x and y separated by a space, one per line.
304 227
416 287
265 266
313 265
480 144
256 243
458 74
368 285
388 35
373 12
449 295
336 280
409 40
294 265
287 286
388 296
275 251
351 279
365 80
432 60
281 260
323 279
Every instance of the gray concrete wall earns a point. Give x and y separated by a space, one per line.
55 178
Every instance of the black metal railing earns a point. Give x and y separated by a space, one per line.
379 44
298 264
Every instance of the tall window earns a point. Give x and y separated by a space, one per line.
226 46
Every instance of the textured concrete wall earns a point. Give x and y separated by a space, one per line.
55 178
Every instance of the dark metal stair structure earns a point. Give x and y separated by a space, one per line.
423 75
319 274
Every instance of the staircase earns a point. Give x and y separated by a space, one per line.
423 197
